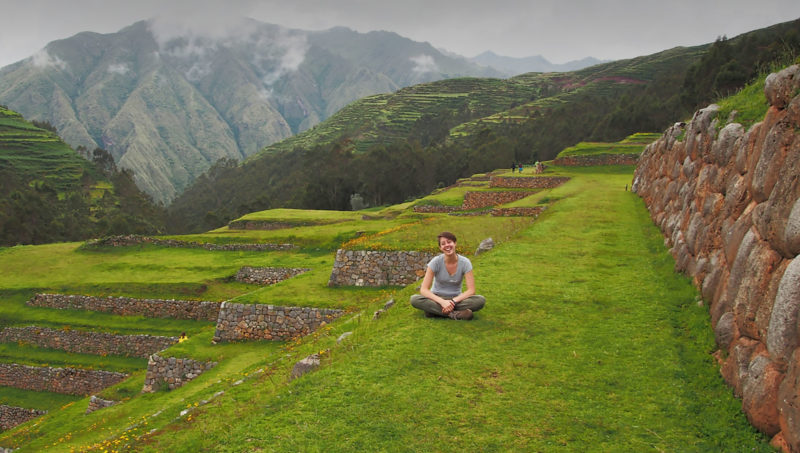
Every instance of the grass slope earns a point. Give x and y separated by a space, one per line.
589 342
33 153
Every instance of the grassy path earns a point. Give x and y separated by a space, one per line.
589 342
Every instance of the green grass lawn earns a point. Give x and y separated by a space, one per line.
589 342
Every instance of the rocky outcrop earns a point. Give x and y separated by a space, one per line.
69 381
84 342
127 306
11 416
378 268
728 203
269 322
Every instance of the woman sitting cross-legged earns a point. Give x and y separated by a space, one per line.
440 293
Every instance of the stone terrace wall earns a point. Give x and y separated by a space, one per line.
509 212
728 204
70 381
172 372
597 160
378 268
269 322
132 239
87 342
126 306
258 225
267 275
477 200
527 182
435 209
11 416
96 403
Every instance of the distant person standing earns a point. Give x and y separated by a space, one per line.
440 294
513 167
520 168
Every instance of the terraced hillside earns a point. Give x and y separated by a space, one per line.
385 118
560 357
48 192
36 154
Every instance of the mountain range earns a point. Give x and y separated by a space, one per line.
168 105
512 66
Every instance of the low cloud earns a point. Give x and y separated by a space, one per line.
118 68
275 51
43 59
279 54
424 64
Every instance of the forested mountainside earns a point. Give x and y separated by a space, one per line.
167 106
390 147
49 193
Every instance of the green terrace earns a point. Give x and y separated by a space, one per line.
589 340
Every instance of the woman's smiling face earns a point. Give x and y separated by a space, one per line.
447 246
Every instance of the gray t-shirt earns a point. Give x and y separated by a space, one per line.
444 284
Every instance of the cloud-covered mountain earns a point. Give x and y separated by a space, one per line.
512 66
167 102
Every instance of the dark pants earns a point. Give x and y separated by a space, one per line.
474 303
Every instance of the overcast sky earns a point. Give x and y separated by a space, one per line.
559 30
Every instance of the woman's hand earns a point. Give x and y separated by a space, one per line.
447 306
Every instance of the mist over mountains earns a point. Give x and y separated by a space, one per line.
168 102
512 66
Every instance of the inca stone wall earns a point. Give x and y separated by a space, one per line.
529 182
87 342
126 306
11 416
435 209
70 381
267 275
132 239
96 403
728 203
258 225
596 160
378 268
527 212
477 200
269 322
172 372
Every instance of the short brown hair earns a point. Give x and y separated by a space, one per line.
446 234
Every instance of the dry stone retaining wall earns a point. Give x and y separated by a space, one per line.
267 275
378 268
87 342
728 204
132 239
172 372
69 381
597 160
126 306
269 322
435 209
527 182
477 200
11 416
508 212
96 403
